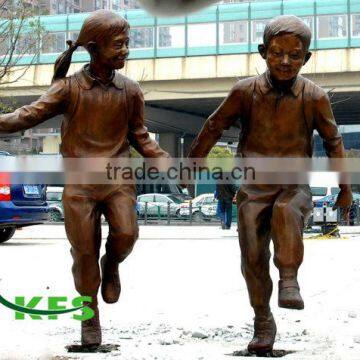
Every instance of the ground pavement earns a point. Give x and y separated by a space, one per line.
183 297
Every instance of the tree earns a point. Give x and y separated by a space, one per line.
134 153
220 152
20 35
20 38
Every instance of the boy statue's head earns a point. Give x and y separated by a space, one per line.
105 35
286 47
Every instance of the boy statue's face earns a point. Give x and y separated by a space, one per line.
113 52
284 56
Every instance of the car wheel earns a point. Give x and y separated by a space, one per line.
55 216
6 234
197 217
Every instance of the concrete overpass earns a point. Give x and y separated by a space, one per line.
181 92
186 77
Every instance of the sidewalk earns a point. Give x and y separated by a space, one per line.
146 232
182 299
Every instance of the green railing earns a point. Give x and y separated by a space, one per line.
233 28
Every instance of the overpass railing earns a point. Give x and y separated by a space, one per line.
232 28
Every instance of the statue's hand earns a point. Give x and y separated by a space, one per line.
344 201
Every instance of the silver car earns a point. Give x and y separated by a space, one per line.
157 205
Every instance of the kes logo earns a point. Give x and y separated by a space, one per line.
54 307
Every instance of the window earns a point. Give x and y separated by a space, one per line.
131 4
202 35
258 28
73 35
332 26
54 196
171 36
161 199
355 25
146 198
318 191
210 200
233 32
61 6
198 203
115 5
4 46
98 4
26 44
309 21
174 199
53 43
142 38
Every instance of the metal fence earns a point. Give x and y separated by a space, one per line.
188 214
322 217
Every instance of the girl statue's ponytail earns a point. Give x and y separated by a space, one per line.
63 62
97 27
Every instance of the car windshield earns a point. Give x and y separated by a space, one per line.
175 199
146 198
54 196
318 191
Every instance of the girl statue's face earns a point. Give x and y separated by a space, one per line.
113 52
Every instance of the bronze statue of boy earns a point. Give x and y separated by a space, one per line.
278 111
104 114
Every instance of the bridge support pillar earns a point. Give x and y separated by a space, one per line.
51 144
170 142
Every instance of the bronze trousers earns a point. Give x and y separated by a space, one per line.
83 206
265 212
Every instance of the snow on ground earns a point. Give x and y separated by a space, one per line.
183 297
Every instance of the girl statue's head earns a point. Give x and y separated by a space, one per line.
105 35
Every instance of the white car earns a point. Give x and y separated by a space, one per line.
157 205
54 200
203 208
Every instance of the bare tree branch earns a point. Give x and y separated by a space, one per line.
20 34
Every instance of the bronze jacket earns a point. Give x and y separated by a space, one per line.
273 124
99 120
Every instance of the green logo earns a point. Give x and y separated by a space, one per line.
56 306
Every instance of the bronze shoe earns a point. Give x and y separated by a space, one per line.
289 295
91 330
264 335
110 285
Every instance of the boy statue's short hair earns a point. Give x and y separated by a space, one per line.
287 24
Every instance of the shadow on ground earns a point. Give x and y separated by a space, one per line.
273 354
25 243
106 348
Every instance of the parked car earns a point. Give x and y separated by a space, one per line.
203 208
20 205
157 205
323 212
164 189
330 200
319 192
54 200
